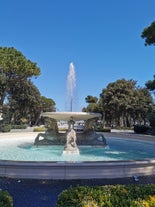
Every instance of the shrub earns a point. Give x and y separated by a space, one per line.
108 196
39 129
5 128
18 126
100 129
5 199
141 129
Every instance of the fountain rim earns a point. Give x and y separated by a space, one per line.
75 171
67 116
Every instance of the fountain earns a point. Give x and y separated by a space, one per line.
69 155
71 138
87 136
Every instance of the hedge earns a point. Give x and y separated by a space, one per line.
5 199
108 196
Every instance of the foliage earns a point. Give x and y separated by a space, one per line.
5 199
48 104
20 100
39 129
100 129
150 84
24 102
14 67
123 104
151 118
18 126
5 128
149 34
93 105
142 129
108 196
91 99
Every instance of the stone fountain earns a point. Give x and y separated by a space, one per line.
71 138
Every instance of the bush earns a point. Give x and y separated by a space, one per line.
100 129
108 196
142 129
39 129
5 128
18 126
5 199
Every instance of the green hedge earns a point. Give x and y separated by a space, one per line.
141 129
100 129
108 196
8 127
5 199
5 128
18 126
39 129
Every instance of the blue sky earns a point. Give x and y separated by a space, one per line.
101 37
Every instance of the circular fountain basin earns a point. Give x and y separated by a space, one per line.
123 158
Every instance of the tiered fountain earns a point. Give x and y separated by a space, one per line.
71 138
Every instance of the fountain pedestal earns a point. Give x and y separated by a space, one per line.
87 136
71 146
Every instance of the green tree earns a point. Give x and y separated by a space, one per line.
48 104
24 102
151 118
123 103
93 105
14 67
142 106
149 34
91 99
150 84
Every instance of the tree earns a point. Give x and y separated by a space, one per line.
123 103
48 104
150 84
93 105
14 67
149 34
91 99
24 102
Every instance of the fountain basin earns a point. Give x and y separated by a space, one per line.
60 170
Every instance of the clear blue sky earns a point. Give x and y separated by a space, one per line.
101 37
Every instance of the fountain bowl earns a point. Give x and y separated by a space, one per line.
73 170
67 116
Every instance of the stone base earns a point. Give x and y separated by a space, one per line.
70 152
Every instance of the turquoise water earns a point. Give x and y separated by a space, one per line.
118 149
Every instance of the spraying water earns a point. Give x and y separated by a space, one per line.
71 85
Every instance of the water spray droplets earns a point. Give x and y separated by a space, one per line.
71 85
